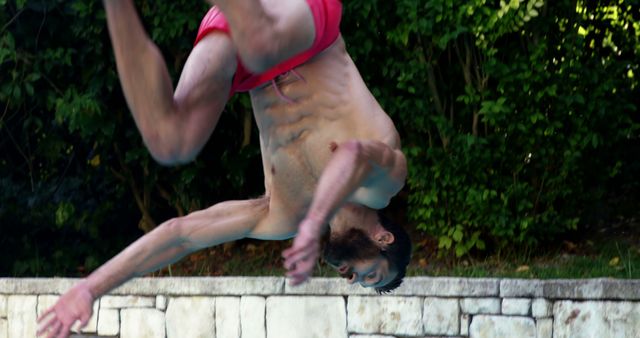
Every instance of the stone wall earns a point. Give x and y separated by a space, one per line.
267 307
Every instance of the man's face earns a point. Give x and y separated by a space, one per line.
358 259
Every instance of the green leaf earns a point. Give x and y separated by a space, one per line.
457 235
445 242
480 244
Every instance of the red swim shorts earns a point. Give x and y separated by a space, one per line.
326 17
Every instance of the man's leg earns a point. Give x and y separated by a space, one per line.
268 32
174 128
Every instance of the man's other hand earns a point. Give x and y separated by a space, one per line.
75 305
301 258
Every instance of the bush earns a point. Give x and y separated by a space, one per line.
515 116
73 166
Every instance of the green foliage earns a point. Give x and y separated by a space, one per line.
73 166
515 115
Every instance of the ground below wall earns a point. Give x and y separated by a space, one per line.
267 307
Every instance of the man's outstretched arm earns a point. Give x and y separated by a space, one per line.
368 164
268 32
174 126
164 245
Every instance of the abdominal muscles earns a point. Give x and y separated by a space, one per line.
326 104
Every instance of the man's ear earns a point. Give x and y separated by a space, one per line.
384 238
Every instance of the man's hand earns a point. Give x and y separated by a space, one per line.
301 258
75 305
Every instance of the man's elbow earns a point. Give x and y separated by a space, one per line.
172 161
168 154
175 230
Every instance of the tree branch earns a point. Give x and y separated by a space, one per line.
146 223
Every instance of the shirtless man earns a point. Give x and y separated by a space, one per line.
330 153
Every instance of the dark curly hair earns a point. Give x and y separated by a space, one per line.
397 253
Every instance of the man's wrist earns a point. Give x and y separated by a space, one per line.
315 221
85 286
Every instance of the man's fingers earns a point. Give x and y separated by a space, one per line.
296 279
302 268
298 275
294 282
84 321
301 272
46 326
64 333
291 255
54 330
297 258
46 313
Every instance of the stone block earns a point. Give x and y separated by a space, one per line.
202 286
369 336
623 289
541 308
575 289
142 323
108 322
161 302
441 316
385 315
21 316
191 317
464 325
483 326
4 330
449 287
228 316
150 286
474 306
516 306
309 317
3 306
591 289
35 286
544 328
516 288
252 317
327 286
131 301
596 319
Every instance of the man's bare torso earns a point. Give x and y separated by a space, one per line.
331 105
